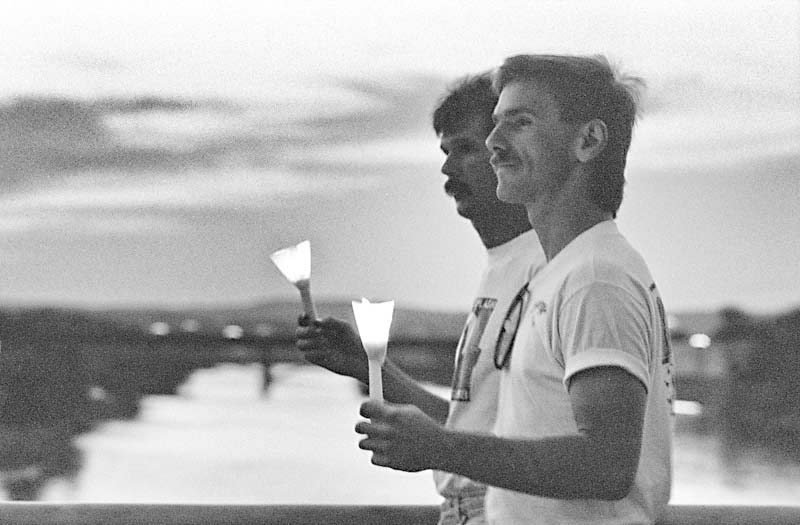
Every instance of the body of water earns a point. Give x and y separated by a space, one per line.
224 439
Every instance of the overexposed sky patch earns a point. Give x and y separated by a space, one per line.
59 222
419 149
674 142
255 49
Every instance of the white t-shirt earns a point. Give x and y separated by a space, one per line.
475 379
595 304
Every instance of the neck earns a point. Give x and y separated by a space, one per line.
497 232
559 221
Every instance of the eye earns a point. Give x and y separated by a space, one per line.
522 120
465 148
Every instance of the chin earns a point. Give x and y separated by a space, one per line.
464 210
508 195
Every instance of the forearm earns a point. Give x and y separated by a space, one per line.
565 467
598 460
400 388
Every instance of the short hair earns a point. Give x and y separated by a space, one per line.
466 98
586 88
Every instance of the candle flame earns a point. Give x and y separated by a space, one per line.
294 262
373 321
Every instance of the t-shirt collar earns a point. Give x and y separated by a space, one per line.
509 247
584 238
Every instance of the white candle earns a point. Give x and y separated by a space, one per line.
373 321
294 263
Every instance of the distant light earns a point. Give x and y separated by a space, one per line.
159 328
264 330
190 325
233 331
687 408
700 341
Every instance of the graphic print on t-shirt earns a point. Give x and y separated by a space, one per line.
468 350
666 353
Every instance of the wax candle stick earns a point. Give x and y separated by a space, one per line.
373 321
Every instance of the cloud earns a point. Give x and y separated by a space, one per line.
152 164
669 142
43 138
702 94
692 123
155 164
153 204
198 189
397 106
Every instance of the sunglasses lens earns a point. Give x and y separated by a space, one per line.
507 333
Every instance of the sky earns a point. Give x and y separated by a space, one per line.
156 153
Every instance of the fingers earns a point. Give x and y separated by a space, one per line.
381 460
376 445
330 343
377 441
308 334
379 425
372 429
375 409
309 341
380 449
386 451
329 322
307 327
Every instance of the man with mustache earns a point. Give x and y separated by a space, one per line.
462 120
583 428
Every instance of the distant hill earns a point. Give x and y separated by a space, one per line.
41 324
270 319
275 319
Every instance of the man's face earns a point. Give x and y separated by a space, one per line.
470 178
531 146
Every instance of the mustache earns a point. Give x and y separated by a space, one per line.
454 187
500 157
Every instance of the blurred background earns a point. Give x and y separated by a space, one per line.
153 154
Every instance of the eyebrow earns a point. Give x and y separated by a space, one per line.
455 141
513 112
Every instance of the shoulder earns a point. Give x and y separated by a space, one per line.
608 260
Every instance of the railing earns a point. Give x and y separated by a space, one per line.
172 514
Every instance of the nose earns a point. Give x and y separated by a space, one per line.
494 142
449 166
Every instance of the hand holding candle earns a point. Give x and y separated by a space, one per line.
373 321
294 263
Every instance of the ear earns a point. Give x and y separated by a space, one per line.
592 139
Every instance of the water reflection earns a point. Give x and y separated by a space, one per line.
92 413
223 440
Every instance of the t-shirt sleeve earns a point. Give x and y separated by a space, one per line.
603 324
